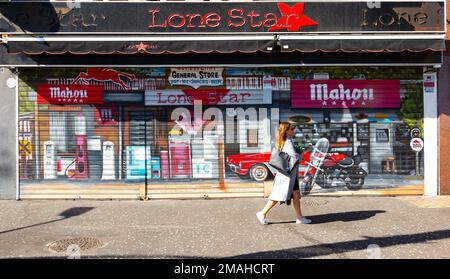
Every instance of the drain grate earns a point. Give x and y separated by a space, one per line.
313 202
84 243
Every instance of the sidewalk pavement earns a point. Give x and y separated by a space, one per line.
345 227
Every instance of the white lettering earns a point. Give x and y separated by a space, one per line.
191 269
77 95
356 94
334 94
345 93
313 92
319 92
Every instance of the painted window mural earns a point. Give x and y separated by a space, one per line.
217 125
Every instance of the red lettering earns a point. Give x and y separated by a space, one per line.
172 99
270 17
243 95
191 16
252 15
191 99
231 14
160 101
213 18
152 24
288 21
172 24
237 19
233 98
213 98
181 99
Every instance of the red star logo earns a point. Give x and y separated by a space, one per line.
141 47
292 18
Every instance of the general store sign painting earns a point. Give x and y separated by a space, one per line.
345 93
196 77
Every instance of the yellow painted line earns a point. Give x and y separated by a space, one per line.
206 195
48 186
179 191
150 186
78 191
71 197
428 202
404 190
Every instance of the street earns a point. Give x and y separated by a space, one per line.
343 227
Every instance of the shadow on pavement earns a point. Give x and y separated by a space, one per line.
340 216
66 214
300 252
347 246
345 216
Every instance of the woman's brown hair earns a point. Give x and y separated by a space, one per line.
282 129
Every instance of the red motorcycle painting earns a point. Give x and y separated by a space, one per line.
330 169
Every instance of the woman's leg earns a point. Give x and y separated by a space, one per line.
268 207
296 204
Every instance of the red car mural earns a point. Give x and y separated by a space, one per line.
256 165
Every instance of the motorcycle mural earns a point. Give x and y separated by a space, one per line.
330 169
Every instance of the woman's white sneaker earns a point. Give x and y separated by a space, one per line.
261 219
303 220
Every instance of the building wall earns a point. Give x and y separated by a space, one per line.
444 126
8 140
444 116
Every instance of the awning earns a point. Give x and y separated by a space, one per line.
222 44
258 59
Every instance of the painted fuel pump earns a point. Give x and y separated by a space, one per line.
49 160
81 167
109 172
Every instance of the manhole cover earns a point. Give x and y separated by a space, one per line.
84 243
313 202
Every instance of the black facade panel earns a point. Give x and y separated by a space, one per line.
262 59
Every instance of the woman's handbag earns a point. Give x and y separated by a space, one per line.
280 161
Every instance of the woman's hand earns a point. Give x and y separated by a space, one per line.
298 148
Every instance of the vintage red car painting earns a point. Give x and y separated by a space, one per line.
254 165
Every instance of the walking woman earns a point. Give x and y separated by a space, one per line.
285 187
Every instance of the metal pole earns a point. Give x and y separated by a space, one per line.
120 141
145 152
36 141
417 163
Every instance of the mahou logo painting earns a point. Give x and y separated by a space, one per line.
69 94
345 93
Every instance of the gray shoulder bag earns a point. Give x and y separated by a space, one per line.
280 161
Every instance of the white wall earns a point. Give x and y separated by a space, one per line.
430 136
8 136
